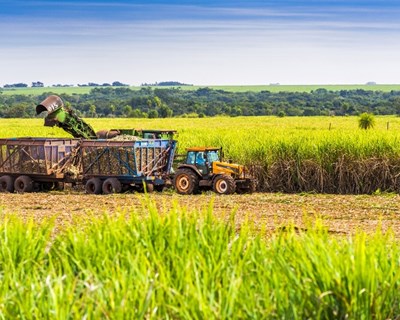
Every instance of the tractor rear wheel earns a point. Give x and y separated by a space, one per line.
186 181
23 184
6 184
93 186
224 184
112 185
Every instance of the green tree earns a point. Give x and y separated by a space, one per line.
165 111
366 121
136 113
126 110
112 109
157 102
153 114
92 110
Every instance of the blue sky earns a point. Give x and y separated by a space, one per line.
200 42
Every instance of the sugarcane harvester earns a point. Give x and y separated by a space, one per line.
65 118
61 116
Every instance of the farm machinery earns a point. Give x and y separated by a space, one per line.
104 164
65 118
203 169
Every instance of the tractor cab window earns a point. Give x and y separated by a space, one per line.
191 157
200 160
212 156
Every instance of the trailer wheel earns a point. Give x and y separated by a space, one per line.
224 184
112 185
186 181
93 186
6 184
23 184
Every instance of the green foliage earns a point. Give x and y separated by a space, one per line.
153 114
187 265
366 121
281 114
169 102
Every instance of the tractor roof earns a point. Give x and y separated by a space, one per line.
197 149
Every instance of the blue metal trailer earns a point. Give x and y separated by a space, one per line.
113 166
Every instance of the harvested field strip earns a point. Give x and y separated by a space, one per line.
342 214
186 264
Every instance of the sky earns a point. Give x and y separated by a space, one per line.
220 42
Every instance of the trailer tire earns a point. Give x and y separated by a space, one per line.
224 184
112 185
23 184
93 186
186 181
6 184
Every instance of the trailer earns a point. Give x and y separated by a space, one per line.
102 166
113 166
34 164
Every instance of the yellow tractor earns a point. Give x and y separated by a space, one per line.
203 169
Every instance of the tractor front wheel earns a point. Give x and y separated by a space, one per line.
186 181
224 184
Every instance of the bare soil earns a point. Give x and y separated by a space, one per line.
342 214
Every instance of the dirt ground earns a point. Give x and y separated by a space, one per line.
342 214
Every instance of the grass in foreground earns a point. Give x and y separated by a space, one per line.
190 265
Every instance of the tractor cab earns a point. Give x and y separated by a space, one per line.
202 158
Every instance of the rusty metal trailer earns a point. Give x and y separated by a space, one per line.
33 164
102 166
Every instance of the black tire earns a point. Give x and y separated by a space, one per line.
93 186
23 184
186 181
6 184
112 185
224 184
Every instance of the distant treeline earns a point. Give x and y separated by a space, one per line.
165 84
39 84
167 102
